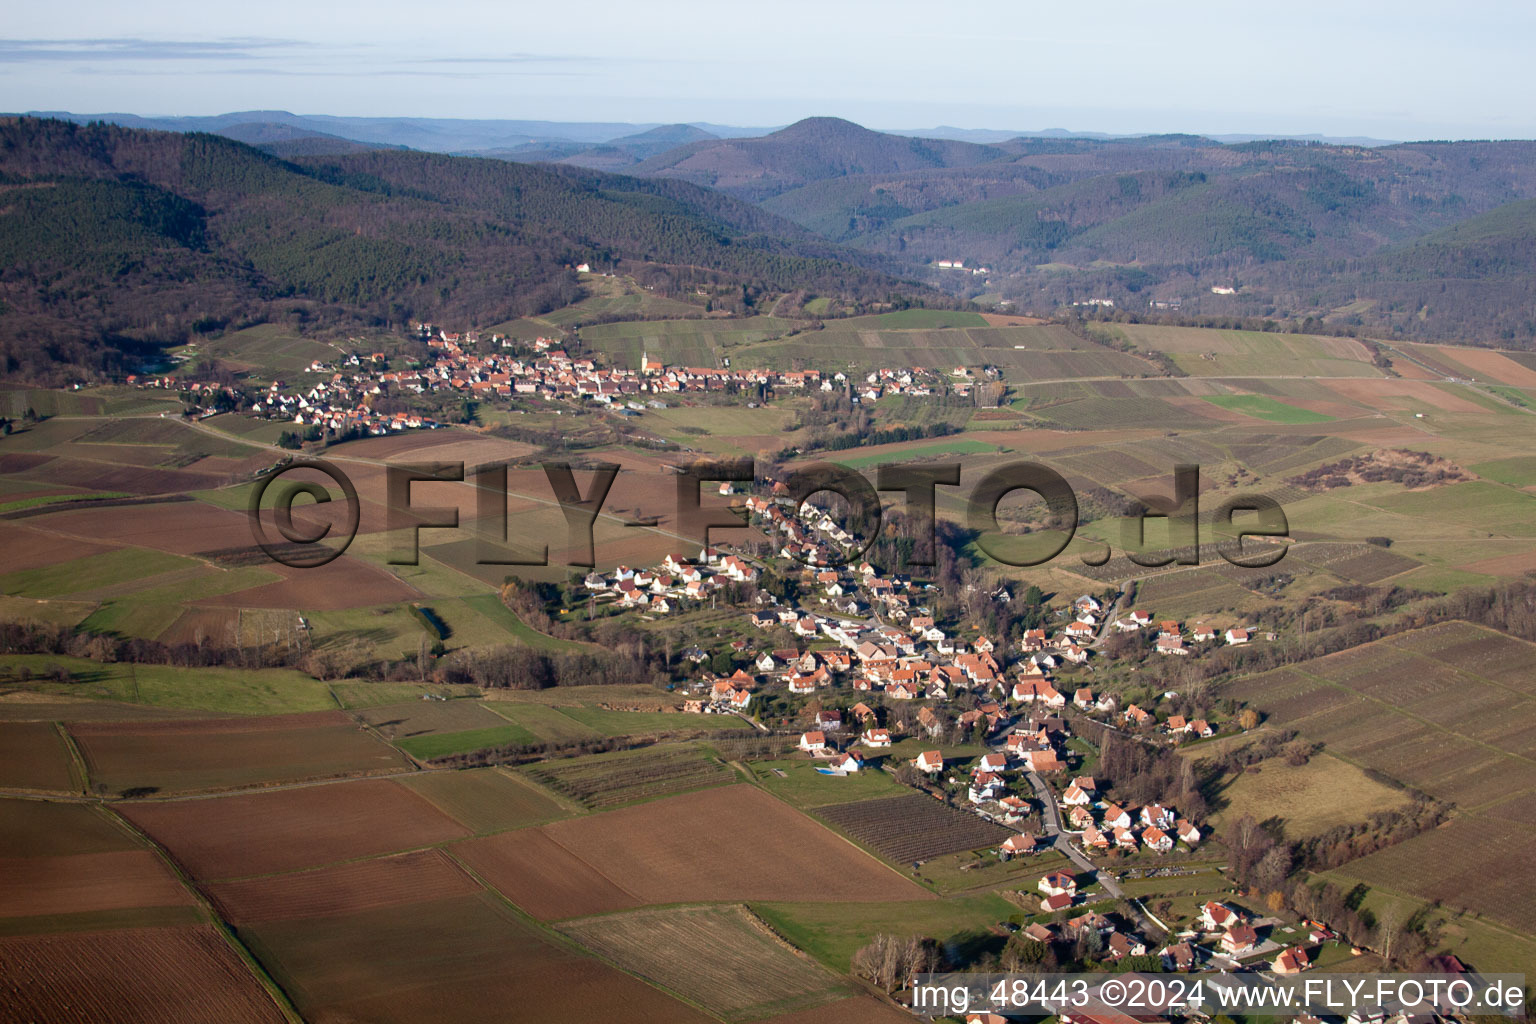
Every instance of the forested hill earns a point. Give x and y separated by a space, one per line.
1360 237
815 149
113 239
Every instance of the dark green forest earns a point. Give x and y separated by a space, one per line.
1425 239
117 241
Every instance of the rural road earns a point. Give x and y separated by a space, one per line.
1050 815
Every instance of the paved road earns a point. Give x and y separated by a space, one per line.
1050 814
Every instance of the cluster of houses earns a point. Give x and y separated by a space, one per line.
340 404
544 369
1058 891
1223 935
676 580
1172 638
900 655
1104 825
1230 932
505 368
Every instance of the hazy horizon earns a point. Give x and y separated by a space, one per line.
1406 71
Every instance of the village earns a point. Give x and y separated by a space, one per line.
858 656
493 367
867 640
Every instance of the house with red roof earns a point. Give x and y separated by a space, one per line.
1058 882
1051 904
1291 961
1022 843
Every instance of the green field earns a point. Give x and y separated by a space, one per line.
833 932
1205 352
54 499
436 745
910 319
358 694
1517 471
224 690
648 723
487 799
546 724
268 350
94 572
1265 408
960 446
801 785
717 957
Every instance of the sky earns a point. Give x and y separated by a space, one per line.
1408 69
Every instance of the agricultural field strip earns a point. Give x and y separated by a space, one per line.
1400 710
913 827
1402 647
721 957
593 784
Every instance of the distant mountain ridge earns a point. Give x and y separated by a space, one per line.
811 150
1359 235
481 136
114 239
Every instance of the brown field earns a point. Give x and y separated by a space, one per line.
416 442
467 958
858 1010
471 450
485 799
720 957
1488 364
35 758
187 975
40 828
654 848
182 527
913 827
1011 320
206 754
343 889
1520 809
422 718
28 546
198 626
107 476
1360 563
1399 394
1413 371
87 881
304 827
20 462
543 877
1503 565
345 583
1446 709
